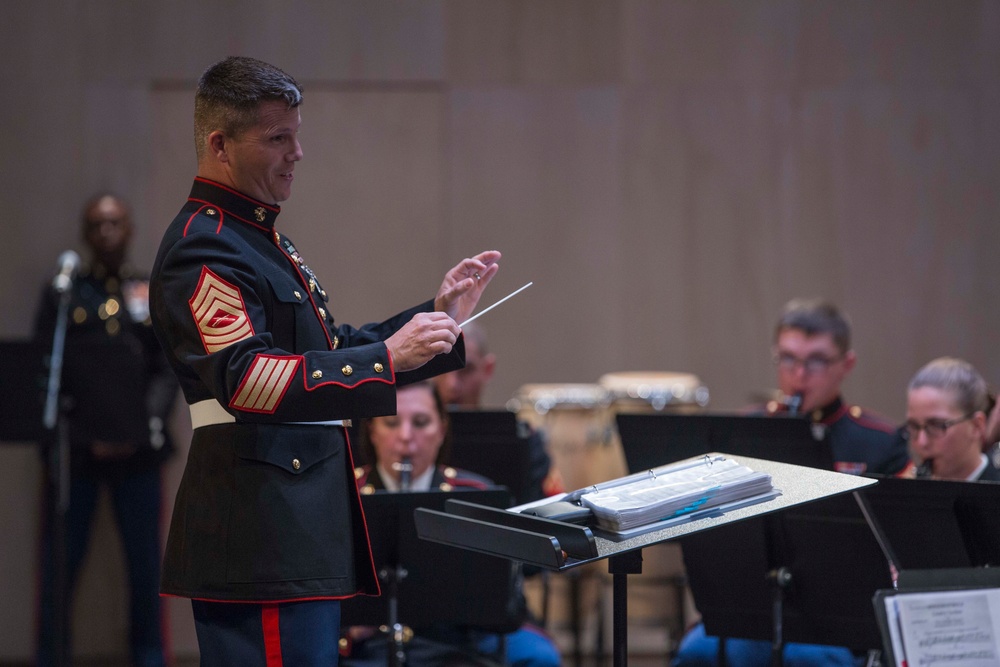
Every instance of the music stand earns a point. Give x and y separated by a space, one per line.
927 525
438 584
22 391
490 443
653 439
560 546
968 599
804 575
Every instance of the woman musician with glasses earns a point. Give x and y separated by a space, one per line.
946 422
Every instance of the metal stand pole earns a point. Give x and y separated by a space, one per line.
620 566
58 486
780 580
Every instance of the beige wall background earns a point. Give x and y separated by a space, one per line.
668 173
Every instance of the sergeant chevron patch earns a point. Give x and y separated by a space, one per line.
265 383
218 309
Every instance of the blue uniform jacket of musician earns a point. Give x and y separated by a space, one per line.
267 509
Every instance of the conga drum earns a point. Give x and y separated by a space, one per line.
645 391
579 432
658 598
577 423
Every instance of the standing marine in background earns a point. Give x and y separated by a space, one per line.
119 392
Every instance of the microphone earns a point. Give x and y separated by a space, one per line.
68 263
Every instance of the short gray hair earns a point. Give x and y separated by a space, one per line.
230 93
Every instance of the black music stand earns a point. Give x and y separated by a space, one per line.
427 584
804 575
653 439
22 391
560 546
928 526
492 443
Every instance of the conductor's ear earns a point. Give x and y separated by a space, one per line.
217 145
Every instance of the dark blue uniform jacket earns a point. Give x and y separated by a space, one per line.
267 509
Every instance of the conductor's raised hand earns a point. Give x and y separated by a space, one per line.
464 284
421 339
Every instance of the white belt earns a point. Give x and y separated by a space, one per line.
210 412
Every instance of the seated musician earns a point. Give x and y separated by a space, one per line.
947 405
408 450
813 355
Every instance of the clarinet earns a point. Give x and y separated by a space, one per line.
926 469
405 469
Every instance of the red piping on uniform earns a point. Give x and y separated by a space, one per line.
356 494
207 181
836 415
272 635
195 214
340 384
231 214
317 598
305 285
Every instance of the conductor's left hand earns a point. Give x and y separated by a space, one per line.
464 284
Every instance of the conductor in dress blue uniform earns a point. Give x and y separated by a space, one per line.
120 393
267 533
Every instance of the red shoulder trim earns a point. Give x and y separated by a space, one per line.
203 210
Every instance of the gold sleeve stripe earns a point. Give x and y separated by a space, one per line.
265 383
219 311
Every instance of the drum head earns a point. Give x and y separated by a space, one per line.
656 389
544 397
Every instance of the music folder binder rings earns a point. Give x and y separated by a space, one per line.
560 545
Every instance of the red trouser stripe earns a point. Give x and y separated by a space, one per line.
272 635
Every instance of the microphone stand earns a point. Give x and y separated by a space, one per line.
58 481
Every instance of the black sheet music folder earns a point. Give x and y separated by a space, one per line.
653 439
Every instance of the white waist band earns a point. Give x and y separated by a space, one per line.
210 412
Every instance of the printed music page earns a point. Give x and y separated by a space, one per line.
951 627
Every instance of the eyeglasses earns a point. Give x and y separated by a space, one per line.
935 428
811 365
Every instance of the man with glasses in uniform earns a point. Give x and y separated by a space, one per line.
813 355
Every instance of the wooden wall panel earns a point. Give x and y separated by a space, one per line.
668 172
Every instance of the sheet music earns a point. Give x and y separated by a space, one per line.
947 628
680 492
